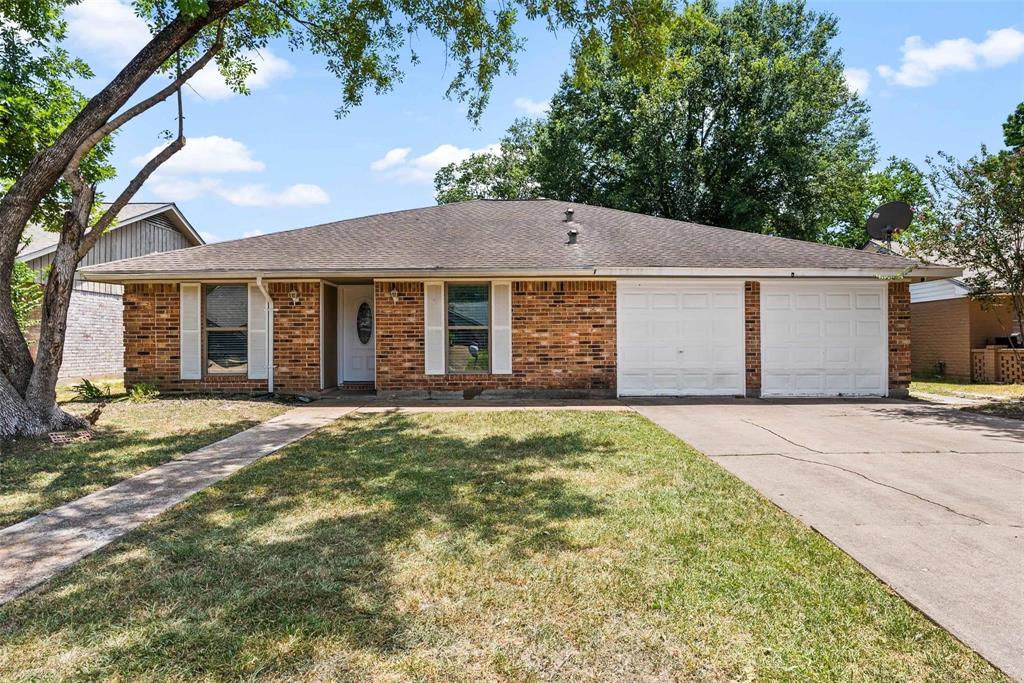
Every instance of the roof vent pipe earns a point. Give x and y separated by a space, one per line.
573 234
568 215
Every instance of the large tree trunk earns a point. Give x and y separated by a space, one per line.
27 388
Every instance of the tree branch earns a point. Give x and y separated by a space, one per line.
151 101
126 195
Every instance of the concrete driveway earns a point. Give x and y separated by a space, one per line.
929 499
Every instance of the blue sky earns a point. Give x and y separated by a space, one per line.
938 75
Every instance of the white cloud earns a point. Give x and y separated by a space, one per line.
174 188
396 164
193 172
107 27
857 80
392 158
209 237
298 195
922 63
208 84
532 107
179 189
253 233
210 154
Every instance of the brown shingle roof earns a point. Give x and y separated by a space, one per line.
528 235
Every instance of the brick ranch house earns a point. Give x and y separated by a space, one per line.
519 297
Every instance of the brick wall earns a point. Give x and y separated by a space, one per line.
93 343
752 336
990 321
152 346
899 339
940 331
563 340
296 337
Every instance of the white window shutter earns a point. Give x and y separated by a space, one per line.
433 318
190 332
501 328
257 333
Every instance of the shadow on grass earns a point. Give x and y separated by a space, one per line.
54 474
305 546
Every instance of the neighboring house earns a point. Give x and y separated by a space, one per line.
93 344
514 297
948 327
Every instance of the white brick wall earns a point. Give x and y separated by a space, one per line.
94 344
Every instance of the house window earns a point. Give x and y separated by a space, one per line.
225 327
468 327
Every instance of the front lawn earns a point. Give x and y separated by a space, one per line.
36 475
948 387
1001 400
486 546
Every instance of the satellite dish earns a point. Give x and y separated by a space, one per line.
889 219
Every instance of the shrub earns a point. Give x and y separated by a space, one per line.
90 391
142 391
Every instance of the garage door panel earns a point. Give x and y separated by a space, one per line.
699 300
806 329
681 338
825 342
869 301
837 302
664 300
805 302
869 328
726 301
632 300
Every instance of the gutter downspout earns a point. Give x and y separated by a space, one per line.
270 334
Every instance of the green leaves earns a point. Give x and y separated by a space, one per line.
976 221
1013 129
37 101
26 294
744 121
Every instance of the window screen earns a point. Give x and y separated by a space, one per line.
226 320
468 321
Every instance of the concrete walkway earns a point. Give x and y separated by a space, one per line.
38 548
929 498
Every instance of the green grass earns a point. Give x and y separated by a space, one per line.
1002 400
948 387
36 475
485 546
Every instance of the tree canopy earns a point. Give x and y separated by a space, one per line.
975 220
1013 129
748 124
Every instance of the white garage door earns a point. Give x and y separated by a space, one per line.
824 339
680 338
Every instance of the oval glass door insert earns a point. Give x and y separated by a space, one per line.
364 323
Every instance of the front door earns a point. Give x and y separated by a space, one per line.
357 324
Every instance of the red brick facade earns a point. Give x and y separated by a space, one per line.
296 337
563 340
899 339
752 336
152 346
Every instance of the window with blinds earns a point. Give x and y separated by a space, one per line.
468 326
226 329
